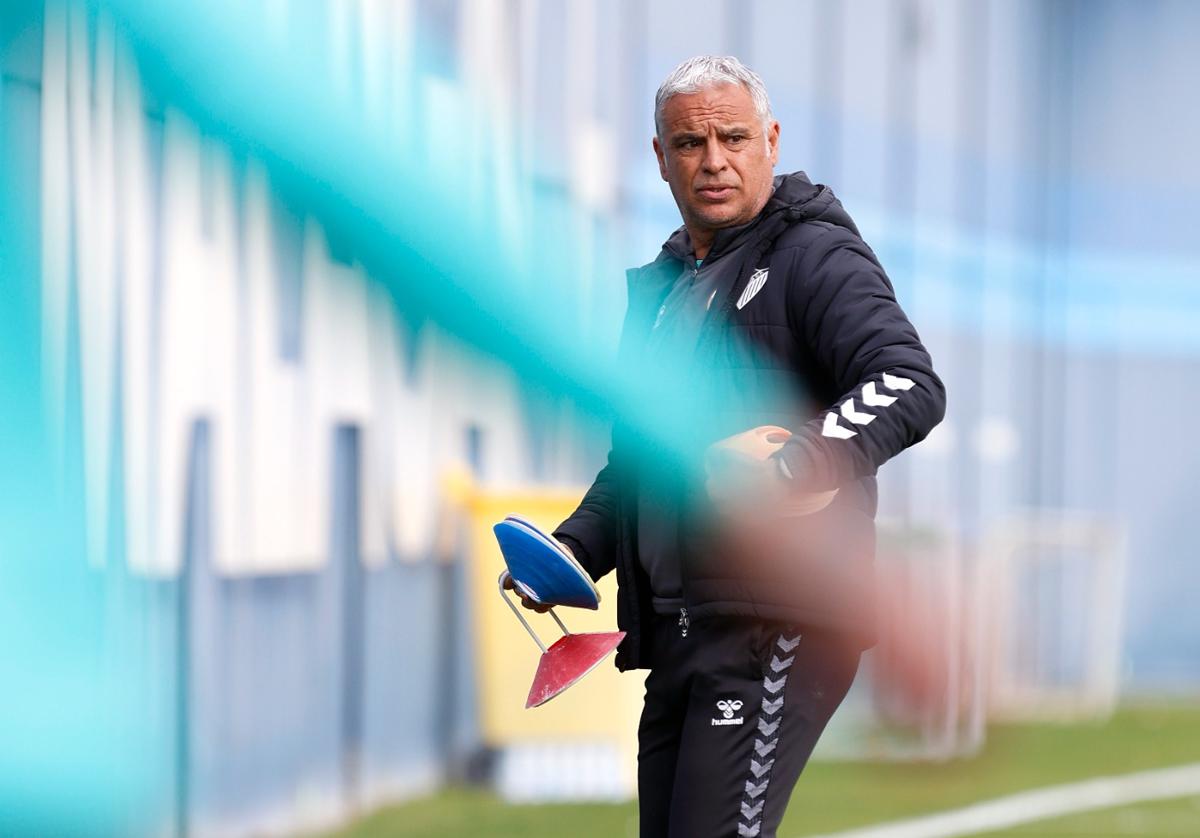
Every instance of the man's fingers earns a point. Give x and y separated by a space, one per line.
527 602
539 607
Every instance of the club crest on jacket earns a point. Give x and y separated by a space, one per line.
757 280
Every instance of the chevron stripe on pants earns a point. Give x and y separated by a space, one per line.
732 713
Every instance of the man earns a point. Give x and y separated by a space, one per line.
751 619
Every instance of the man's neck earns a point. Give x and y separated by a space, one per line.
702 242
703 239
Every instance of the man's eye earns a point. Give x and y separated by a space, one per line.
736 138
691 143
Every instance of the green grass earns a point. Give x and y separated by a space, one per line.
1171 817
1017 758
833 796
464 812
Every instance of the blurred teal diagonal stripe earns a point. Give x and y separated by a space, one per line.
274 101
71 753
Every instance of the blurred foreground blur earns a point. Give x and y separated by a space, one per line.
247 473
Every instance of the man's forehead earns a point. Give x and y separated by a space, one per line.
722 104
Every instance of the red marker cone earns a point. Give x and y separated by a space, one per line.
570 658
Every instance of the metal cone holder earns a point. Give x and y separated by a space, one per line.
567 660
537 564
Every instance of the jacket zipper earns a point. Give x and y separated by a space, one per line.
684 622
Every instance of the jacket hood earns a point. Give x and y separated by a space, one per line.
805 201
795 198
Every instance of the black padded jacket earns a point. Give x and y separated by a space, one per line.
810 337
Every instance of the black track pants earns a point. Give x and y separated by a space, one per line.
733 711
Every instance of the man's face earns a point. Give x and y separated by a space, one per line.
717 156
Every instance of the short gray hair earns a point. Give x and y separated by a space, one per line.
705 71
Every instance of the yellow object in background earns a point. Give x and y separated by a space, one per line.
604 707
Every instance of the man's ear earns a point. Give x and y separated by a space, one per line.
662 157
773 142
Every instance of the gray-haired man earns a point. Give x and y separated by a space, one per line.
770 289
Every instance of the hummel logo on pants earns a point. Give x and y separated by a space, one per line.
732 713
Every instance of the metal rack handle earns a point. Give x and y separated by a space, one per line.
504 577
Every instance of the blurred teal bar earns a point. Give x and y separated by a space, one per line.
74 750
275 102
81 750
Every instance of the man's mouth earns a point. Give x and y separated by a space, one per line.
715 193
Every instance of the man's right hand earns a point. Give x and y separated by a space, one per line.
743 476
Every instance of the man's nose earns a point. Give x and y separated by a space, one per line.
714 156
